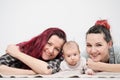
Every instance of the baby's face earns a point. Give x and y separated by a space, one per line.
72 56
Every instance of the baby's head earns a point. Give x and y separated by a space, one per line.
71 52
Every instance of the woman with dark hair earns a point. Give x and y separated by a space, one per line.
40 55
104 56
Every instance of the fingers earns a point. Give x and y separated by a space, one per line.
89 61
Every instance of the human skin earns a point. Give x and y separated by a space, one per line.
98 51
50 51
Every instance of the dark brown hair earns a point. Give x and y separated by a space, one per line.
101 26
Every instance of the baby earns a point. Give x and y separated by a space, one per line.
73 60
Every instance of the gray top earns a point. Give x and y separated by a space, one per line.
115 55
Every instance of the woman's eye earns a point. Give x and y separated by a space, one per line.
49 44
88 45
98 45
58 49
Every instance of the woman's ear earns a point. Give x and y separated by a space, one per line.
110 44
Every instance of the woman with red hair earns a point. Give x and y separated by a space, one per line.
40 55
104 56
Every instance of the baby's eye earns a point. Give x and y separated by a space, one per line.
75 54
68 56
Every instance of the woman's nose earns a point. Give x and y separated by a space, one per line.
51 49
93 50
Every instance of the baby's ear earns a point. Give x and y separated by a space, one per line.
62 55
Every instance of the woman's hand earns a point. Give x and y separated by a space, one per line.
93 65
12 50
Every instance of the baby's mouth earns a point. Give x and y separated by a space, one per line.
74 63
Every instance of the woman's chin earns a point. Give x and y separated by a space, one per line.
45 58
96 60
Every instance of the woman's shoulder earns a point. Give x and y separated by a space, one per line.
116 49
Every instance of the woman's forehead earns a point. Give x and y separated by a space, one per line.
95 38
56 40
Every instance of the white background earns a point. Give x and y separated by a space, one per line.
20 20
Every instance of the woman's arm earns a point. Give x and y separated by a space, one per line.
9 70
36 65
100 66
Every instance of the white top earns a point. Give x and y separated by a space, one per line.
79 66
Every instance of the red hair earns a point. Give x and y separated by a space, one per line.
104 23
35 46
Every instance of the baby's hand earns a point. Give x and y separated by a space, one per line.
89 72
